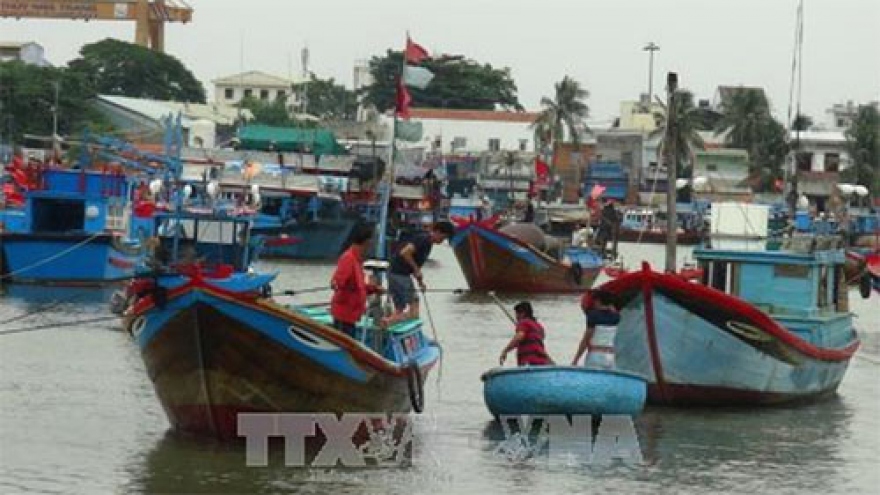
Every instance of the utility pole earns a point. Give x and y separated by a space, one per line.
671 159
651 47
55 150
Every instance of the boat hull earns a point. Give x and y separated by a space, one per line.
324 239
493 261
550 390
698 346
65 259
212 357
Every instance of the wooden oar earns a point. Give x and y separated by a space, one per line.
501 305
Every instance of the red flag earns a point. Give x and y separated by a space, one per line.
414 52
542 171
403 100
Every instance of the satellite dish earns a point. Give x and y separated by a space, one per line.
187 191
862 191
212 189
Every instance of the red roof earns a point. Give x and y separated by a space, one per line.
482 115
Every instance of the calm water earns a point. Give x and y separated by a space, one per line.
79 415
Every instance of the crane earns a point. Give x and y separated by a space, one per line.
149 16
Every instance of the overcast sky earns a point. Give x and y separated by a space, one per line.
597 42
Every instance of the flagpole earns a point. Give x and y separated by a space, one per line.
387 189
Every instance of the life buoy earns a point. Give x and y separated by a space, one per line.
865 285
577 273
415 386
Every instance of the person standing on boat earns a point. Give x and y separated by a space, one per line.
528 339
406 264
598 339
350 290
581 236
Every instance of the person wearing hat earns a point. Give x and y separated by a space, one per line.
528 339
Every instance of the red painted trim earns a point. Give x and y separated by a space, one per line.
120 263
713 297
651 329
358 352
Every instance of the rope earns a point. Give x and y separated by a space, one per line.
41 309
57 325
54 256
437 341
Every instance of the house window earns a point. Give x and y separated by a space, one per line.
832 162
711 167
229 93
523 144
804 161
264 94
494 144
459 143
248 93
841 123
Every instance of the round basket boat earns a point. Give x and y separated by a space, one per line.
546 390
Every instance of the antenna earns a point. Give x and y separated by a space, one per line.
305 74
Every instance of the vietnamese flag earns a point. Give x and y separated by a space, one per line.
414 52
403 100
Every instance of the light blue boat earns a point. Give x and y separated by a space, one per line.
546 390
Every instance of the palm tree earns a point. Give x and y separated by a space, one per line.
566 111
687 138
745 115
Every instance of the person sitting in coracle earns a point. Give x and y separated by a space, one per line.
598 339
528 339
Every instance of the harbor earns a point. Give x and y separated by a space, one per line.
79 414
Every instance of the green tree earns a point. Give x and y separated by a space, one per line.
566 111
801 122
275 113
863 140
750 126
458 83
687 138
327 100
115 67
27 96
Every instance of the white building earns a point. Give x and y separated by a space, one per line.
143 118
28 52
841 115
229 90
475 131
821 151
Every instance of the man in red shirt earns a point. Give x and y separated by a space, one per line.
349 301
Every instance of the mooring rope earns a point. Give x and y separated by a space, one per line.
57 325
54 256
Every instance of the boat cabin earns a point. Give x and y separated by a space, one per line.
779 282
210 239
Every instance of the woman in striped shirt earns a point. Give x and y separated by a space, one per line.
528 339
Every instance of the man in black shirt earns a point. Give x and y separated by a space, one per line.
406 264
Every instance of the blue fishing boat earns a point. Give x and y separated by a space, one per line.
547 390
70 229
759 327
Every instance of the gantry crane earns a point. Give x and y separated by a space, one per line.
149 16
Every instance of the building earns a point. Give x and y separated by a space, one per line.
449 131
229 90
841 115
639 115
819 159
28 52
141 119
723 173
628 149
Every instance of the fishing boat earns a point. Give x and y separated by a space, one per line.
67 227
216 344
760 327
642 225
550 390
515 258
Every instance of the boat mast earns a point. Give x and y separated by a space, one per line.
790 170
671 159
387 188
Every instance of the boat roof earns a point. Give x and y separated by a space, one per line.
778 257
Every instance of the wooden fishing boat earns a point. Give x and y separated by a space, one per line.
215 344
641 225
548 390
760 327
492 259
